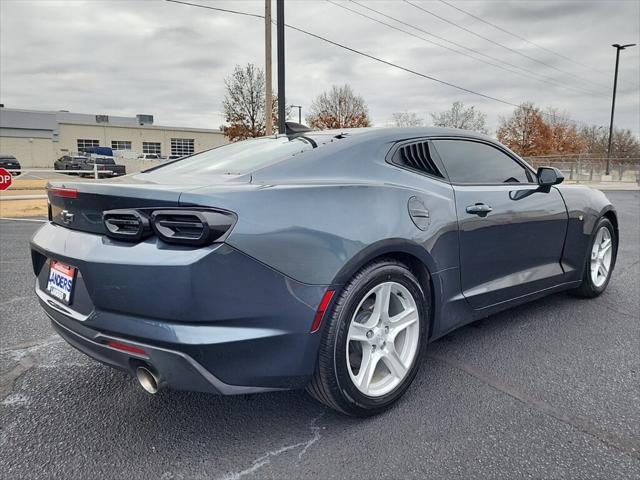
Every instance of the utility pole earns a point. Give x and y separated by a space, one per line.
268 108
613 101
281 96
299 107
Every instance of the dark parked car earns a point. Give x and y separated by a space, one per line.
9 162
104 164
318 260
70 162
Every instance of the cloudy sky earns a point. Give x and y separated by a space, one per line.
170 60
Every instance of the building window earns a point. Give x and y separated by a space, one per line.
120 145
182 146
151 147
83 143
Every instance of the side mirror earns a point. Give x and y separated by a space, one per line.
548 176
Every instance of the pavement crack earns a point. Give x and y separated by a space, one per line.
15 299
32 345
619 312
265 459
624 445
8 380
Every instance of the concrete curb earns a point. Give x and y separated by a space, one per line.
22 197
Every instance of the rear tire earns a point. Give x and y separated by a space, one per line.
600 260
371 347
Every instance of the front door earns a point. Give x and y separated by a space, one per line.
511 235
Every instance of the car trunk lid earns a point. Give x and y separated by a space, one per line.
80 205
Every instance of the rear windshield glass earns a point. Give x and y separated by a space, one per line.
239 158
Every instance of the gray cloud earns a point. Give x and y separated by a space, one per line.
170 60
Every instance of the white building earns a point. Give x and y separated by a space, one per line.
38 138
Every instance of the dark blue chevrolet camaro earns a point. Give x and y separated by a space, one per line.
318 260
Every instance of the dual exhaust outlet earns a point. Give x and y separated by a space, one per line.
148 380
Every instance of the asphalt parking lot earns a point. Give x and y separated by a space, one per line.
547 390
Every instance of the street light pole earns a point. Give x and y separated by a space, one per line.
613 101
299 107
281 96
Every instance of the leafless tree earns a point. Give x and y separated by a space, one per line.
459 116
340 107
406 119
244 103
624 144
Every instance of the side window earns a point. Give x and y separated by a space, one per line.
475 162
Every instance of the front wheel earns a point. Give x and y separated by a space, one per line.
373 341
600 261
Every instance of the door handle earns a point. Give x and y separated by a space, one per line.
480 209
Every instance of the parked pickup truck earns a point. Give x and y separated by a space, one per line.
70 162
103 163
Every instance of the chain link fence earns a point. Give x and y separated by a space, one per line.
590 168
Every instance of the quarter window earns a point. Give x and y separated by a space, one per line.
182 146
475 162
416 156
151 147
120 145
84 143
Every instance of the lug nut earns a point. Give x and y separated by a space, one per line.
369 334
386 329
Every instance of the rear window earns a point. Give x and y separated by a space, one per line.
239 158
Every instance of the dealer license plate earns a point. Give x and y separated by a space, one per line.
60 283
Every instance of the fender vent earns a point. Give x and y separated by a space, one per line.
417 157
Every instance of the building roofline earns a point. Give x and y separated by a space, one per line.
62 121
147 127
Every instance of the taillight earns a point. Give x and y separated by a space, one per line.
126 225
192 227
179 225
63 192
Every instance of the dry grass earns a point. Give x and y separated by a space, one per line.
16 193
28 184
23 208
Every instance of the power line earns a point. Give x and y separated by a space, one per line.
433 42
501 45
364 54
524 39
530 73
319 37
218 9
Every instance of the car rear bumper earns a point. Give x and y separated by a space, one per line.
210 319
173 368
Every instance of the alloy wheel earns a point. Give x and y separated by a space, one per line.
383 339
601 255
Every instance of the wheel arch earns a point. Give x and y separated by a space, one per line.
409 253
612 216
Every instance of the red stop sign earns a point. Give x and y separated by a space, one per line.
5 179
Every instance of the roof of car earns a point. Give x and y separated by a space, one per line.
399 132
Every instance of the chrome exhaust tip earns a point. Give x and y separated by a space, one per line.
147 380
